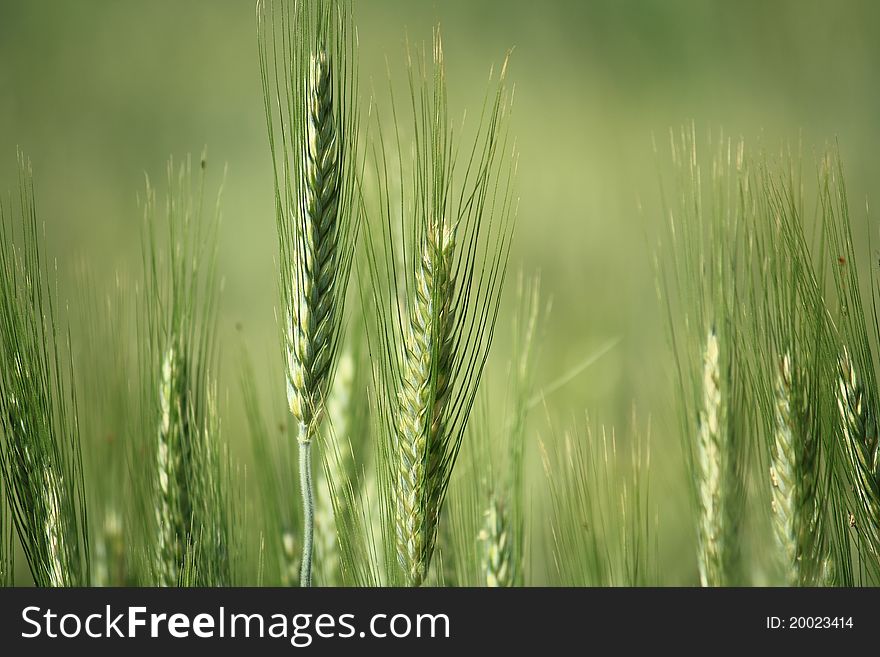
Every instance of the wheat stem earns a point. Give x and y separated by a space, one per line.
305 477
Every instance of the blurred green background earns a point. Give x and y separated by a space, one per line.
99 92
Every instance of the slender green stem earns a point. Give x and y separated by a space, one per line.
305 478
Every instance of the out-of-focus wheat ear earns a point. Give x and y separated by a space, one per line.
497 547
179 353
109 567
711 455
794 479
170 527
858 424
291 560
40 455
783 474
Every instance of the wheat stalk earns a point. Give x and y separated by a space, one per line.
858 425
310 55
312 323
497 555
794 482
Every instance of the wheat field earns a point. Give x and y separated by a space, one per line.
341 293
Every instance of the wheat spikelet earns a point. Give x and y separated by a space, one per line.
859 432
423 396
794 483
497 556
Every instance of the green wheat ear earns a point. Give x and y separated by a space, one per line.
793 375
436 316
854 452
705 281
795 481
307 64
423 398
714 535
40 445
192 543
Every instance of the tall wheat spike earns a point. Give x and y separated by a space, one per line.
306 61
40 459
437 316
